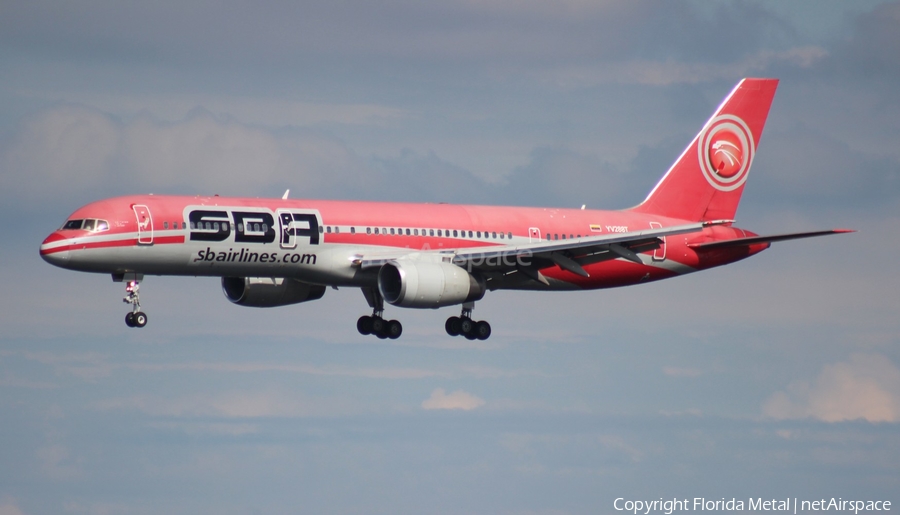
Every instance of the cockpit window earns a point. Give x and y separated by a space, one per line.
89 224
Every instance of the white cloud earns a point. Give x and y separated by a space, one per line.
69 149
672 71
61 149
273 112
459 399
681 371
235 404
865 387
57 463
8 506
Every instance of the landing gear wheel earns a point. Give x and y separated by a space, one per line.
466 326
482 330
377 326
364 325
393 329
452 326
140 319
129 319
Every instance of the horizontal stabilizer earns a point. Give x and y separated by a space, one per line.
753 240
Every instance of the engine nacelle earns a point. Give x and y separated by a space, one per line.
267 292
413 284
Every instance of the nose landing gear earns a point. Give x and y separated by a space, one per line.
465 326
136 318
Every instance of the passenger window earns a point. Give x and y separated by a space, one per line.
328 229
353 230
165 225
392 230
509 235
415 232
368 230
184 225
376 230
431 232
265 228
321 230
240 227
479 234
556 236
337 228
564 236
502 235
470 234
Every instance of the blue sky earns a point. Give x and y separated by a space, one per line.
778 376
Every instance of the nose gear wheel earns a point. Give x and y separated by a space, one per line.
136 318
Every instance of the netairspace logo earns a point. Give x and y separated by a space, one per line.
788 505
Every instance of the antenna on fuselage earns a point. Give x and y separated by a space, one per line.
286 193
583 206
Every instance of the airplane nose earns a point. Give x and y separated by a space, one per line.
53 250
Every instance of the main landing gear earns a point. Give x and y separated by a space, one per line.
464 325
136 318
375 324
455 326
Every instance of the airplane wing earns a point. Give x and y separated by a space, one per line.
752 240
570 255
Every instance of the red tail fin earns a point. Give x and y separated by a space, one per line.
706 182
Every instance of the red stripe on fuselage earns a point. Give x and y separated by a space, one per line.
130 242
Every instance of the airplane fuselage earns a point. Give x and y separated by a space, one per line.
320 242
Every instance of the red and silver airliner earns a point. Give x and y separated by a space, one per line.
276 252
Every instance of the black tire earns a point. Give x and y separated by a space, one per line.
129 319
364 325
466 326
140 319
393 329
482 330
377 326
452 326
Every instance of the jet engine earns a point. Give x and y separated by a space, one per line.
412 284
267 292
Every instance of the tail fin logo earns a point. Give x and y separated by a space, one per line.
726 149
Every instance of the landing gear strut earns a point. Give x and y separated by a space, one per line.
136 318
375 324
464 325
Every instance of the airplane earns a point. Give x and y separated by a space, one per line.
278 252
